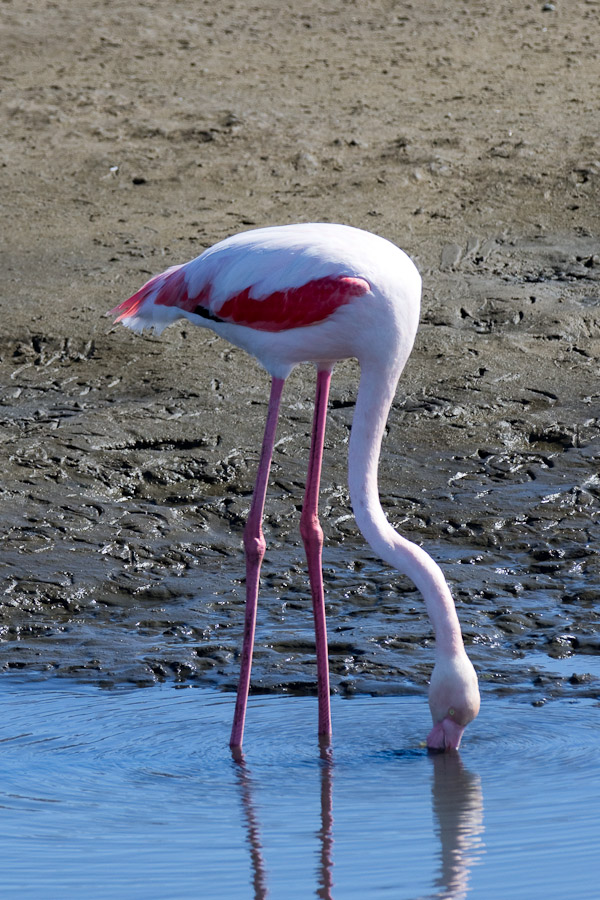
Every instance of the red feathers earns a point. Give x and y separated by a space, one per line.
294 307
290 308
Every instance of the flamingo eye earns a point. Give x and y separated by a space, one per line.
451 711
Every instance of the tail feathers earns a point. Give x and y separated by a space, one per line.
140 311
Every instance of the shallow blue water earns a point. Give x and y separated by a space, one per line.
133 793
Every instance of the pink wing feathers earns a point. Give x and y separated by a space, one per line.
261 287
159 285
294 307
291 308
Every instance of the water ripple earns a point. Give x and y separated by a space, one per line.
107 791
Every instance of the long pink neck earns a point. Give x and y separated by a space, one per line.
375 395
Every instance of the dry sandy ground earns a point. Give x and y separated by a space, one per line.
135 135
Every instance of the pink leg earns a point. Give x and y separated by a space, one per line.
254 544
312 535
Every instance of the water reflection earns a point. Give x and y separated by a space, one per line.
259 875
458 809
324 833
457 802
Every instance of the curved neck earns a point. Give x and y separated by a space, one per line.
375 395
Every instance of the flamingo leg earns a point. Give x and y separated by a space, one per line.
312 536
255 545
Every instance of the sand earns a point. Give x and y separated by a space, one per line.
134 136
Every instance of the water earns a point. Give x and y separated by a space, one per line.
133 793
564 667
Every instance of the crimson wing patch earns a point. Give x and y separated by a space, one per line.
295 307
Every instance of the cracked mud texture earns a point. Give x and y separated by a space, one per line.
133 137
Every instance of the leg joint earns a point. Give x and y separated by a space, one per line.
254 545
311 531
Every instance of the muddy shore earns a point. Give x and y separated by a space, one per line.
132 138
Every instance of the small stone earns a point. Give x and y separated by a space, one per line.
451 255
583 678
305 162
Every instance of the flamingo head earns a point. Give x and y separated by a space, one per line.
453 700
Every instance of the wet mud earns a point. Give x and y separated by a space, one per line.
134 138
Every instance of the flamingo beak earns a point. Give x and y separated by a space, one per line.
445 735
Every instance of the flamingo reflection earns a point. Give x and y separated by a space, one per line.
457 802
458 809
324 833
259 875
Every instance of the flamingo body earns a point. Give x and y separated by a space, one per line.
320 293
263 289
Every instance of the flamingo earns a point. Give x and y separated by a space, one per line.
320 293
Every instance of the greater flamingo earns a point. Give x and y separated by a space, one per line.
320 293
